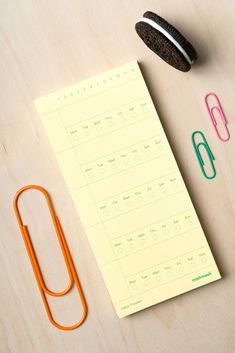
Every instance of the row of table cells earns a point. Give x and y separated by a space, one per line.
126 158
168 271
111 121
139 196
155 233
94 86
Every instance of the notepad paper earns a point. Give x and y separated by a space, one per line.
127 189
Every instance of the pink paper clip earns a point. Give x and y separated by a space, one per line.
219 109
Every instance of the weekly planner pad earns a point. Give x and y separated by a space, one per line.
127 189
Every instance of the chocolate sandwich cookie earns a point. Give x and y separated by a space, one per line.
166 41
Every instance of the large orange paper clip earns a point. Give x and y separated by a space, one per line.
67 259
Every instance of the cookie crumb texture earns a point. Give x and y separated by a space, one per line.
162 46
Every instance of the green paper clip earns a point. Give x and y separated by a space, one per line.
199 157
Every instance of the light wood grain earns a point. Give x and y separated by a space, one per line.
46 45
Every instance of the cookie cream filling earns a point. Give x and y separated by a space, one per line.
167 35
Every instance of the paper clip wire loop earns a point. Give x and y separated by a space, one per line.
219 109
199 157
66 255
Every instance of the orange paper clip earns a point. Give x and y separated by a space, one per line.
67 259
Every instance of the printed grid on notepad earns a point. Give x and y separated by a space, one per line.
124 166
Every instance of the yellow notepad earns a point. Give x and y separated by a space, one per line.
127 188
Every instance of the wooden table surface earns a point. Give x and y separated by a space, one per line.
46 45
